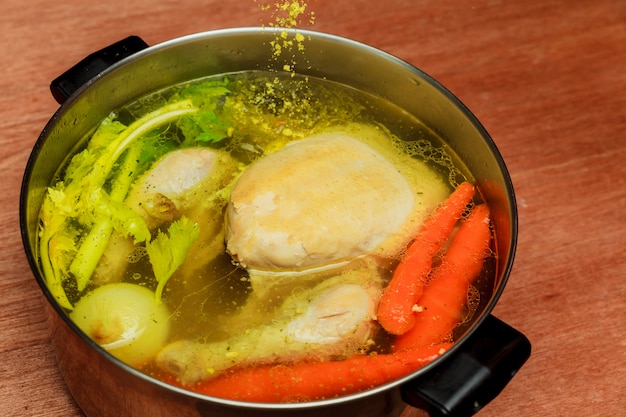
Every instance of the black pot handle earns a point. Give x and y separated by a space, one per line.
67 83
474 375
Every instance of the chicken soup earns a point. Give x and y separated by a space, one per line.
266 227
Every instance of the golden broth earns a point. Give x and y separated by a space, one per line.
252 115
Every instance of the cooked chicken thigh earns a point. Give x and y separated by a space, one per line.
332 319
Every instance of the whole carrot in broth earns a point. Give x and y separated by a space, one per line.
395 310
444 300
317 380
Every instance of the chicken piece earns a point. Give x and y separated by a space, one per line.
114 260
178 182
338 322
183 182
318 202
340 313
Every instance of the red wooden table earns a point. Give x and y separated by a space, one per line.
546 77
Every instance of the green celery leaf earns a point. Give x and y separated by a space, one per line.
202 127
108 130
167 253
127 222
204 94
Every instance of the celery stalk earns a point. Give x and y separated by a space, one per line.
87 194
90 252
51 274
140 127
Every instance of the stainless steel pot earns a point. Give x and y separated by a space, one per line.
458 384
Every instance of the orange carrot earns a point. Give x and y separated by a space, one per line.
395 310
445 298
317 380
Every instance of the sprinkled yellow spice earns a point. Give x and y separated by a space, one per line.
286 14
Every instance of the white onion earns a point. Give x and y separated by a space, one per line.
125 320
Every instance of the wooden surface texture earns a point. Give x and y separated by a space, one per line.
547 78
